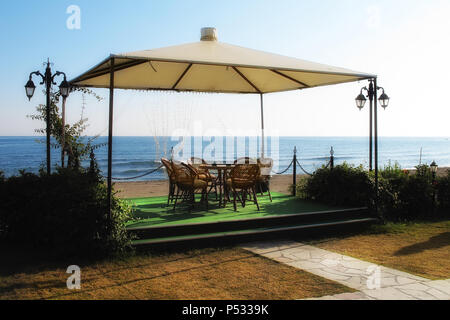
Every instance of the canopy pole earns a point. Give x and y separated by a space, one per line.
262 126
376 143
110 134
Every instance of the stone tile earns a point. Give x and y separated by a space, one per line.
305 265
439 295
324 298
353 296
441 285
418 294
352 272
341 278
388 294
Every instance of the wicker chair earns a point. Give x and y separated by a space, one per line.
204 174
242 183
172 184
188 182
245 160
263 182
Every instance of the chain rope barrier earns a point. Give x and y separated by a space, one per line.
309 174
161 166
139 176
284 171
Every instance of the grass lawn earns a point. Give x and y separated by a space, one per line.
421 248
155 212
225 273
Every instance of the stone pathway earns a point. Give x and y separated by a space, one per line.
372 281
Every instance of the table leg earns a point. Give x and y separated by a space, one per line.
225 187
219 173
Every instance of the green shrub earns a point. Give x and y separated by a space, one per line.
443 194
65 212
415 199
344 185
401 196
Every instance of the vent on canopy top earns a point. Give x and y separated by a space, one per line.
208 34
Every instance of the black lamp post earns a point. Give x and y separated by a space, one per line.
384 102
433 167
48 80
361 101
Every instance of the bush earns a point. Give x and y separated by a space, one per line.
443 194
344 185
401 196
65 212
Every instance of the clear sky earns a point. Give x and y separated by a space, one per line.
405 42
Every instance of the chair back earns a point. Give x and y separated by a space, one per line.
245 160
184 174
265 165
168 165
245 173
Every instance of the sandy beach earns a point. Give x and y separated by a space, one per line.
136 189
155 188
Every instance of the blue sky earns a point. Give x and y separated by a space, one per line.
404 42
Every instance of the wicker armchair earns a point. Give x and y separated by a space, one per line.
172 184
263 182
242 183
204 174
188 182
245 160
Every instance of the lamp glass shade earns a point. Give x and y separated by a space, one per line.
433 167
29 89
64 89
360 101
384 100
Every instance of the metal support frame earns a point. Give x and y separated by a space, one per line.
262 126
110 133
376 142
294 173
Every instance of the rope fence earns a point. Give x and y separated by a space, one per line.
285 170
294 162
298 163
139 176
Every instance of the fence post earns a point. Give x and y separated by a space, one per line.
294 173
331 158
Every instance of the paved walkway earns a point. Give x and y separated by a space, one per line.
372 281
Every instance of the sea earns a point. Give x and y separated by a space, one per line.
133 157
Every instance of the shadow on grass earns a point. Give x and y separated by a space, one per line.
292 205
436 242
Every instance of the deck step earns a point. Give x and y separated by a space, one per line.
255 233
157 232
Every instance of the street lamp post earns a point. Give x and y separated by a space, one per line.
48 81
384 102
434 167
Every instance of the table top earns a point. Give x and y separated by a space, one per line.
213 166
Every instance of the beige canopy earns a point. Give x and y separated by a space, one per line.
208 66
213 66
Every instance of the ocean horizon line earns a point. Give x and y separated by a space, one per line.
257 136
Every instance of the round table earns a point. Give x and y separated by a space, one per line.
222 170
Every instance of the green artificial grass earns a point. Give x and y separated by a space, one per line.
152 212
